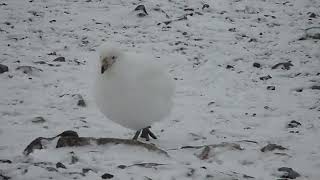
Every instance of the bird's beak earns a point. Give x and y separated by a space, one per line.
104 67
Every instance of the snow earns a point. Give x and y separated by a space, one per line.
212 104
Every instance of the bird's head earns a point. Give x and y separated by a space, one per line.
108 56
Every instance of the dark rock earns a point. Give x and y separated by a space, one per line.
312 15
107 176
35 144
205 6
3 177
3 68
271 88
5 161
271 147
122 166
60 165
299 90
229 67
289 173
52 54
30 70
257 65
38 119
312 33
40 62
188 9
60 59
293 124
141 8
283 65
232 29
315 87
85 170
74 158
264 78
68 133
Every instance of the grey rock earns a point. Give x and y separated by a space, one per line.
60 59
315 87
60 165
257 65
283 65
264 78
81 102
38 119
35 144
107 176
271 88
30 70
205 6
122 166
289 173
3 68
5 161
293 124
142 10
3 177
271 147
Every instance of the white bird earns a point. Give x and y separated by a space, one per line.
132 90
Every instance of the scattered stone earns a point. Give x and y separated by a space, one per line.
271 88
289 173
30 70
122 166
40 62
3 68
293 124
299 89
205 153
52 54
205 6
35 144
107 176
312 15
74 158
264 78
229 67
188 9
68 133
315 87
3 177
5 161
311 33
60 59
257 65
81 101
51 169
232 29
85 170
38 119
283 65
271 147
191 172
141 8
60 165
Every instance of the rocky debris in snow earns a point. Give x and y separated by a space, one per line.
122 166
264 78
293 124
312 15
311 33
60 59
272 147
257 65
190 172
37 143
107 176
205 6
38 119
142 10
3 68
289 173
315 87
229 67
81 101
5 161
86 170
271 88
52 54
60 165
30 70
3 177
283 65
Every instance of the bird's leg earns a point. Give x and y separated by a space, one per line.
135 137
146 133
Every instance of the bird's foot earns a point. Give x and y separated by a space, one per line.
144 134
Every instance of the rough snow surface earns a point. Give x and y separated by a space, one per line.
219 96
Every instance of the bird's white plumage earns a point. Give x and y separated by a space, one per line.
135 92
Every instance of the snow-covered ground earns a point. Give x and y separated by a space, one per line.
220 98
